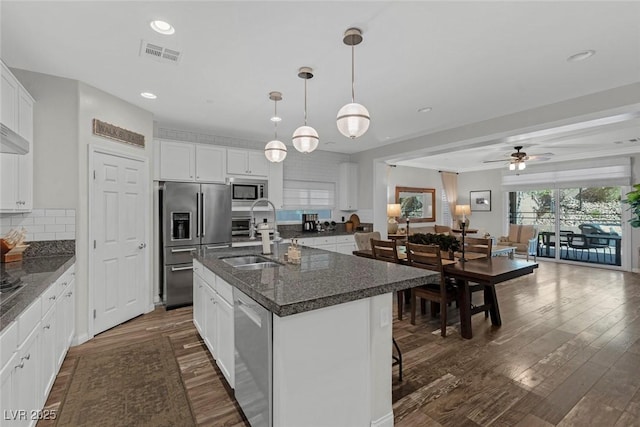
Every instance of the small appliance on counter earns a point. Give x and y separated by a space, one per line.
310 223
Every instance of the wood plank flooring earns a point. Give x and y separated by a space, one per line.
567 354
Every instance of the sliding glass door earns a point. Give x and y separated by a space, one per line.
575 224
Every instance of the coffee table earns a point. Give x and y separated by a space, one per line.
503 250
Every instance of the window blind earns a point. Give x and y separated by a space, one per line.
609 173
308 194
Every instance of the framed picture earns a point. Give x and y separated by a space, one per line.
480 200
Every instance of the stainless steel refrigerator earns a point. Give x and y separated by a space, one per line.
194 217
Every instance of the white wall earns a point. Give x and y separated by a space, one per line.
494 221
94 103
55 137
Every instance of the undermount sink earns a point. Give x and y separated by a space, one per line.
250 262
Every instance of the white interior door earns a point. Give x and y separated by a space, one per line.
118 224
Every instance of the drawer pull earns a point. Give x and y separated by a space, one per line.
21 365
47 327
69 294
64 283
181 268
52 297
175 251
27 357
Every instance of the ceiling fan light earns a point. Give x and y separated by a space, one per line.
305 139
353 120
275 151
521 166
512 166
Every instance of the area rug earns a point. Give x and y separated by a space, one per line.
135 385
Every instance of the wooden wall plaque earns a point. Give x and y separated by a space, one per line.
116 133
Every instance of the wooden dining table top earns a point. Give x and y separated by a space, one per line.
490 270
402 256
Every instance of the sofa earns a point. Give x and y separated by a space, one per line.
523 237
433 229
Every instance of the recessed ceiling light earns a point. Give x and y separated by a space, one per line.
424 109
276 119
148 95
162 27
581 56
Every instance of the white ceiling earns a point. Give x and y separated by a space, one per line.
469 61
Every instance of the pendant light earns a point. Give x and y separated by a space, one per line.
353 119
275 151
305 138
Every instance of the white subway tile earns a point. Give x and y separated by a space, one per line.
71 212
35 229
70 227
44 236
37 212
55 212
5 220
4 229
22 221
44 220
65 236
65 220
54 228
29 237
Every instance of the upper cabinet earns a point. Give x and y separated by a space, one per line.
247 162
348 187
184 161
16 170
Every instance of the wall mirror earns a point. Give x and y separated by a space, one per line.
417 204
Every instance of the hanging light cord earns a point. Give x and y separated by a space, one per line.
305 101
275 123
353 96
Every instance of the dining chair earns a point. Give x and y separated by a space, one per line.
483 246
363 239
387 250
429 257
579 242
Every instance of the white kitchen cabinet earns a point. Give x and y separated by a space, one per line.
247 162
16 170
27 376
65 314
213 310
210 163
49 358
185 161
348 187
8 391
345 244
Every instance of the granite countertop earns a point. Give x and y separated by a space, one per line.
37 274
322 279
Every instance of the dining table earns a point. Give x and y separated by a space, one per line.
479 269
487 272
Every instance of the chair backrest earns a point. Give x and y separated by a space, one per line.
578 241
363 240
385 250
478 245
519 233
428 257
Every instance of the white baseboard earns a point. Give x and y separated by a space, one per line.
80 339
385 421
150 308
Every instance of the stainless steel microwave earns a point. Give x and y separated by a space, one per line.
248 191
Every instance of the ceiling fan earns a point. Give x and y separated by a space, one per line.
517 160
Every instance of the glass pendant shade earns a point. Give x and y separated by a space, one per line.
353 120
275 151
512 166
305 139
521 166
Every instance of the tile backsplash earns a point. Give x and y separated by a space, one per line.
42 224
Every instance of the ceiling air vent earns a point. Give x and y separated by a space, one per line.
159 53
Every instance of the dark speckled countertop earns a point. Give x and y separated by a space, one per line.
37 274
321 280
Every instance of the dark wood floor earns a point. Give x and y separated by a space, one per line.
567 354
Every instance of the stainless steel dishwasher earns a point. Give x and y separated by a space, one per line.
253 359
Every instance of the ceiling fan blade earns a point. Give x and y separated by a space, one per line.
493 161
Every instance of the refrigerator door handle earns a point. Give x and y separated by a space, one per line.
204 209
197 214
181 268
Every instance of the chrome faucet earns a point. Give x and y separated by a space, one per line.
252 224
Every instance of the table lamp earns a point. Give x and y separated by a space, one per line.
393 211
463 210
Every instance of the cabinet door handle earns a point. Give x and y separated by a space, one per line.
64 283
21 365
27 357
69 294
53 297
47 327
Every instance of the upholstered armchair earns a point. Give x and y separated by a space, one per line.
524 238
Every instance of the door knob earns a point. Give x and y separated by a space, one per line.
142 246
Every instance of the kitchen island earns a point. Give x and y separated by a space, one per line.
326 337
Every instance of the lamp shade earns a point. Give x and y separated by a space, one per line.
353 120
305 139
393 210
275 151
463 210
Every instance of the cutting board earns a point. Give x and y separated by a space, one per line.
355 220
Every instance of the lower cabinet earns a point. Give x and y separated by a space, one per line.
33 348
213 318
344 244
